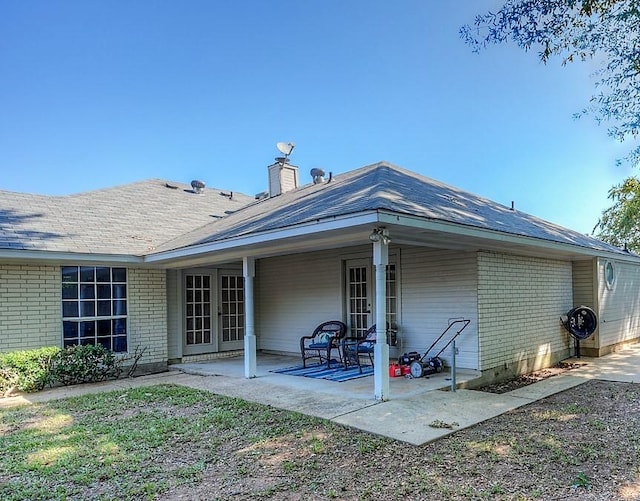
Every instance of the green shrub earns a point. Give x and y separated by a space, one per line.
27 370
85 364
8 380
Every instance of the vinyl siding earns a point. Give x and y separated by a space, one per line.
520 301
584 293
619 306
294 294
438 285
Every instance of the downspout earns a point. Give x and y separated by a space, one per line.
249 272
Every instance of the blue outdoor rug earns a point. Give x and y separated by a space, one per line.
335 373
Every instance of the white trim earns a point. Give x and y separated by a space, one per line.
213 345
392 218
71 257
380 217
609 284
250 344
381 348
96 299
337 223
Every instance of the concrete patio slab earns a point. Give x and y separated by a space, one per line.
418 421
320 404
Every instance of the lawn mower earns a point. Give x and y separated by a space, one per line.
426 364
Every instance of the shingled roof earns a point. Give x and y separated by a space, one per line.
155 215
131 219
382 187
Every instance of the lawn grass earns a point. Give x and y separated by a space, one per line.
131 444
172 442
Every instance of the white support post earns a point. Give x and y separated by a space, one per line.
381 349
250 352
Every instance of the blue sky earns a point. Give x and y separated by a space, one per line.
95 94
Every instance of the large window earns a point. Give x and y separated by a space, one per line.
94 306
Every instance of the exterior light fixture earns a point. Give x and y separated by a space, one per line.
380 234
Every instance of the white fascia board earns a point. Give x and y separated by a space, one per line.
318 226
498 236
67 257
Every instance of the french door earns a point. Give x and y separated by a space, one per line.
360 295
213 311
199 329
231 311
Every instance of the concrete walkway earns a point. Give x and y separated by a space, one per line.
410 417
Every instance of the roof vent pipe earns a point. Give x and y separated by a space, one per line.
317 175
198 186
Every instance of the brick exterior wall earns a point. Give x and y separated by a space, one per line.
30 307
148 314
520 300
30 310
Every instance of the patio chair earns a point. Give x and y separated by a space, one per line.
353 348
325 338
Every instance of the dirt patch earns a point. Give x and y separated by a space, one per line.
533 377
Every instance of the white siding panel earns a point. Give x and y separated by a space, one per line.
439 285
584 292
294 294
620 305
583 284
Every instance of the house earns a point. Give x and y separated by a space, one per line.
190 274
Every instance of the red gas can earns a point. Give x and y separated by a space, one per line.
394 370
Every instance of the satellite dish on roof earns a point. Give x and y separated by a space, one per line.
318 175
285 148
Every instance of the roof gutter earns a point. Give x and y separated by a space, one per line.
305 229
70 257
388 217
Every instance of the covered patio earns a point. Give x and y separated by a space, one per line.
354 389
376 246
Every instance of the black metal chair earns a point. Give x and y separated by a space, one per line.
325 338
355 348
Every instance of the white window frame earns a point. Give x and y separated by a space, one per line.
84 305
394 260
609 279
